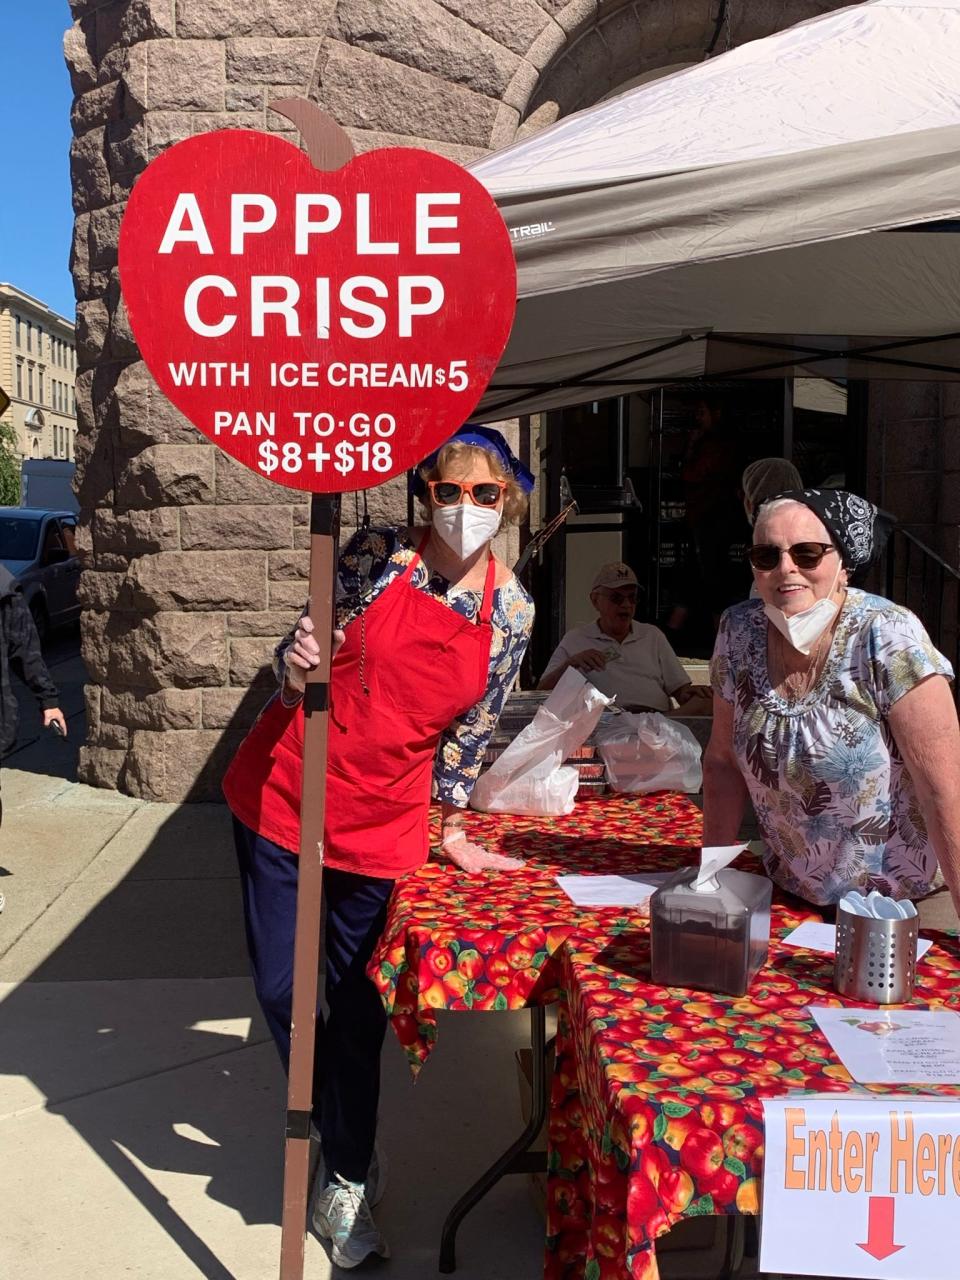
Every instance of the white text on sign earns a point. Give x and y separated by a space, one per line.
353 304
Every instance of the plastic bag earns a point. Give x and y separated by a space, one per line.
530 777
644 751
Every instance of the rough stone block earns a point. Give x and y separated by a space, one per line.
118 26
574 16
197 19
135 533
521 88
144 414
78 55
104 236
204 528
367 92
238 484
80 249
251 659
288 566
265 61
443 45
163 709
513 23
91 699
200 580
97 106
271 623
224 707
244 97
288 595
178 767
547 46
100 767
102 591
93 327
185 75
168 474
170 650
370 139
387 503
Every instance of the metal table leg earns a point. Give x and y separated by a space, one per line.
517 1158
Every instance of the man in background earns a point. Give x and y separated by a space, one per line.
622 657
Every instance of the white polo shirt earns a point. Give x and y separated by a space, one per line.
642 671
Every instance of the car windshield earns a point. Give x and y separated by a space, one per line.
18 538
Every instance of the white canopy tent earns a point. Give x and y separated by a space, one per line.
785 209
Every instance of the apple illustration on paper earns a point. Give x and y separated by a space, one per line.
328 328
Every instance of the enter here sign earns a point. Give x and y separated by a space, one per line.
862 1187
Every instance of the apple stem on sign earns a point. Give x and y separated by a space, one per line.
327 144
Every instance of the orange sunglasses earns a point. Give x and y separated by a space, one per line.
483 493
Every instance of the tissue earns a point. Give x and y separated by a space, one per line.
713 858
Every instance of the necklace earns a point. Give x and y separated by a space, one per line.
797 684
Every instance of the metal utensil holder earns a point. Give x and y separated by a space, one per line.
876 960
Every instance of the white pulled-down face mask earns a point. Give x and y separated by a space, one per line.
804 629
466 527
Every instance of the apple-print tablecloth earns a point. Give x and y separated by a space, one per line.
454 941
655 1112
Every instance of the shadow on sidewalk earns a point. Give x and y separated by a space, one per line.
141 1027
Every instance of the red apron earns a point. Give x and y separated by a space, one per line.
424 665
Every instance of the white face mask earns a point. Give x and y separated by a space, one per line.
804 629
465 527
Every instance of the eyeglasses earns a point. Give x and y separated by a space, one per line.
483 493
805 555
623 595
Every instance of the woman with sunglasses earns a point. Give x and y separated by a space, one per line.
432 628
833 714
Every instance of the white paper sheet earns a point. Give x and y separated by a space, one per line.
894 1046
816 936
612 891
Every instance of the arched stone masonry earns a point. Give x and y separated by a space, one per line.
193 566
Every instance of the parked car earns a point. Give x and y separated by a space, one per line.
39 548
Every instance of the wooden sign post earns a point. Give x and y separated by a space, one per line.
328 320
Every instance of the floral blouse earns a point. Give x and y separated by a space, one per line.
834 802
368 564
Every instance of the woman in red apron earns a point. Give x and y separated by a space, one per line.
433 632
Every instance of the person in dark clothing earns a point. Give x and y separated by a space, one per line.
20 650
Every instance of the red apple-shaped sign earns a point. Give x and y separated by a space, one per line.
328 329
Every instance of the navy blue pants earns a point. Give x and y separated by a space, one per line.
346 1079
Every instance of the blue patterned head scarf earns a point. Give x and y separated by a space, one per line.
857 527
484 438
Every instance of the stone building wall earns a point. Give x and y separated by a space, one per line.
193 565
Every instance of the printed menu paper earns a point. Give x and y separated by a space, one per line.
894 1046
612 891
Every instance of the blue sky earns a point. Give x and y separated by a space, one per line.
36 214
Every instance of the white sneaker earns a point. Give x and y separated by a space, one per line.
342 1216
375 1183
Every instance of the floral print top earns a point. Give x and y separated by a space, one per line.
369 562
834 802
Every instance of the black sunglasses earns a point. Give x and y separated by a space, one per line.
805 555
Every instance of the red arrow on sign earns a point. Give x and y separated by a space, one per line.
880 1228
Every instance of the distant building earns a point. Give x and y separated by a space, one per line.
38 365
